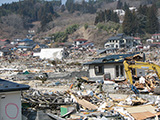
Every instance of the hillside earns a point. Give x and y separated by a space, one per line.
16 25
92 33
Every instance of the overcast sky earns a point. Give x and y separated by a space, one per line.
10 1
7 1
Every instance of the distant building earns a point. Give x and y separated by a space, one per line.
87 44
25 48
78 42
156 37
149 41
132 8
25 42
119 12
10 100
137 40
119 41
25 45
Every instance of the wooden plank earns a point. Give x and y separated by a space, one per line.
142 115
143 108
87 104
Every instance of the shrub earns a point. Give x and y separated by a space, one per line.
85 26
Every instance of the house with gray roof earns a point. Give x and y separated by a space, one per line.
112 65
120 41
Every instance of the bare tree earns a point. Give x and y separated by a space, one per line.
12 25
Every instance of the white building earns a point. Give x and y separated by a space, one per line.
51 53
78 42
155 37
132 8
120 41
10 100
119 12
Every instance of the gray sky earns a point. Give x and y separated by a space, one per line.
7 1
10 1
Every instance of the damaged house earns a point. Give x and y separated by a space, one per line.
120 41
111 65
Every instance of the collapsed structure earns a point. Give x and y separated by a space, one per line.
51 53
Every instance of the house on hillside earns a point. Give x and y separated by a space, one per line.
25 48
156 37
5 40
133 9
79 42
112 65
120 41
10 102
137 40
25 42
26 45
15 41
37 47
119 12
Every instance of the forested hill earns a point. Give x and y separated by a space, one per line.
32 10
18 17
44 11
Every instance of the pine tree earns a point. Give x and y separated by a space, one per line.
141 23
119 5
108 14
70 6
128 27
45 19
114 17
143 10
101 16
152 25
134 23
126 6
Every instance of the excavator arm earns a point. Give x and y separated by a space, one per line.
129 65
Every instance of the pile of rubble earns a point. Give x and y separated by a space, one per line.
148 84
87 103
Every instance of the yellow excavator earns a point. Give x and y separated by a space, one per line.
129 65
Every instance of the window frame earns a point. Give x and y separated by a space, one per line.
99 69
